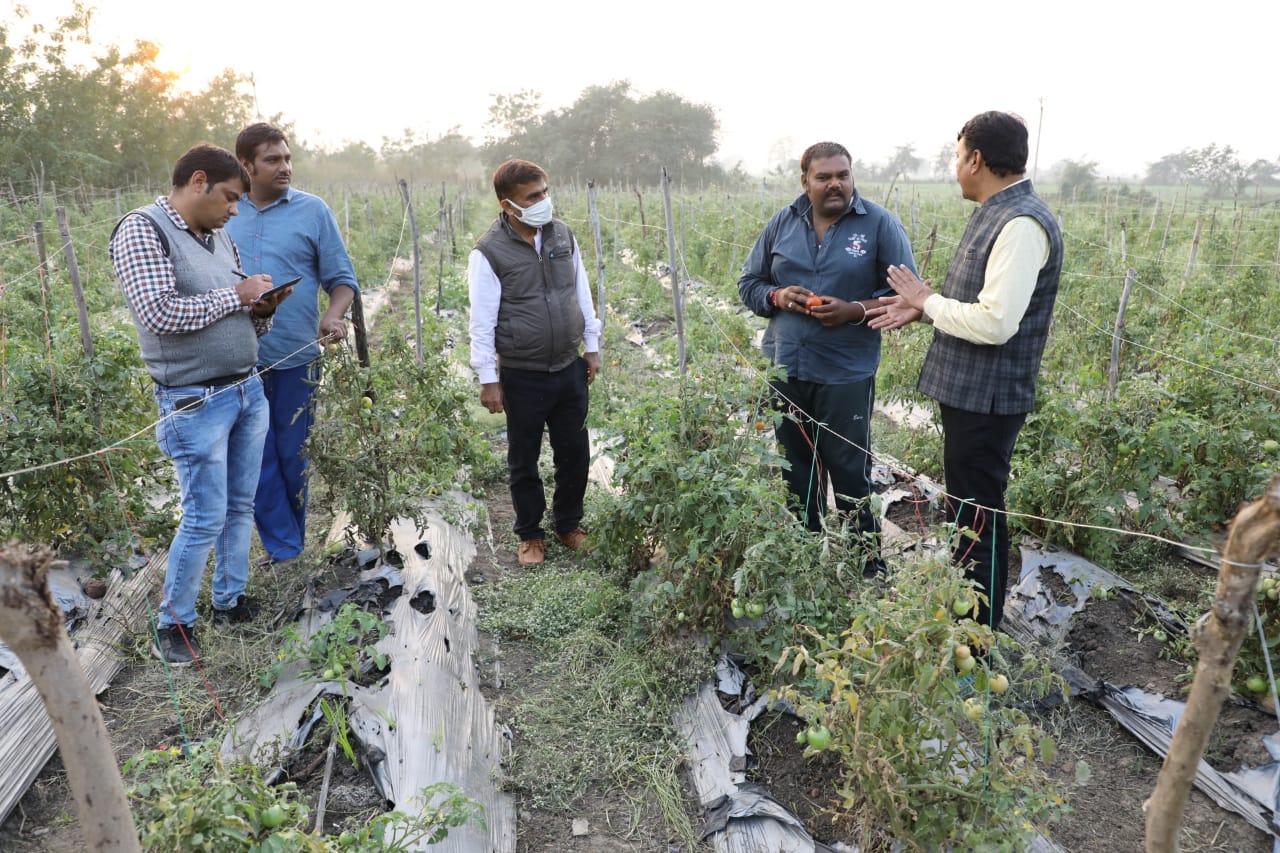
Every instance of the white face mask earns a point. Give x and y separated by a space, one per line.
535 215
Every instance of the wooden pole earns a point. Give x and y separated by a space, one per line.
417 269
676 296
928 252
1195 247
594 213
1217 635
361 329
1115 338
1155 209
1168 224
42 267
442 229
77 288
34 628
1235 247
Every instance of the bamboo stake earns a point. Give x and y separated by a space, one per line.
594 213
1217 635
1168 224
77 288
1195 247
417 269
676 296
1115 338
442 232
32 624
928 252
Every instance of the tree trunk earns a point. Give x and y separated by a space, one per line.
1217 635
33 627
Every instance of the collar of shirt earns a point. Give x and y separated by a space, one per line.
176 218
803 208
288 195
173 213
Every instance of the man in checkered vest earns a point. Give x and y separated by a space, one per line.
990 324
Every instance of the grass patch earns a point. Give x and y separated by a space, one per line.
550 604
599 716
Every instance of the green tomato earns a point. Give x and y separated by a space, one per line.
1268 583
1256 684
755 609
974 709
1271 445
366 402
272 817
1273 594
999 683
819 738
802 736
737 611
966 665
348 838
962 606
1159 636
329 674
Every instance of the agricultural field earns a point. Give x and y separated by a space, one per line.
1137 455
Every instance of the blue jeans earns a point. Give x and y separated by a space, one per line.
214 437
280 506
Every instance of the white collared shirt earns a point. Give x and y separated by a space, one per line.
486 293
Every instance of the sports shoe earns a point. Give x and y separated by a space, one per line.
574 540
176 645
532 552
246 610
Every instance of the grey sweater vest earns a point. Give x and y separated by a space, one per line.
226 347
985 378
540 323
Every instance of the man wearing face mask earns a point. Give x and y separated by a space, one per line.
531 311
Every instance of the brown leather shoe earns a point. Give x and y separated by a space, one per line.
574 540
532 552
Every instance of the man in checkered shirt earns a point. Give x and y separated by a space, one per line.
198 322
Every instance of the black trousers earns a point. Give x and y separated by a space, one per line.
819 455
535 400
976 455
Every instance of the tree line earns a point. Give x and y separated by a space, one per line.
120 121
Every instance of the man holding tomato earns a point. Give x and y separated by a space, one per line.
815 271
990 324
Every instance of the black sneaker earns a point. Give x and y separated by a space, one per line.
176 645
246 610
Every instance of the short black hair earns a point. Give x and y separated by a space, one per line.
251 137
512 174
822 150
1002 139
218 165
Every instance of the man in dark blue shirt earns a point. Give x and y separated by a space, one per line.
815 271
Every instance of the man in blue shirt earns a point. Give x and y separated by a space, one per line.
288 233
815 271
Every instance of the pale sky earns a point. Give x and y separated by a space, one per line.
1122 83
